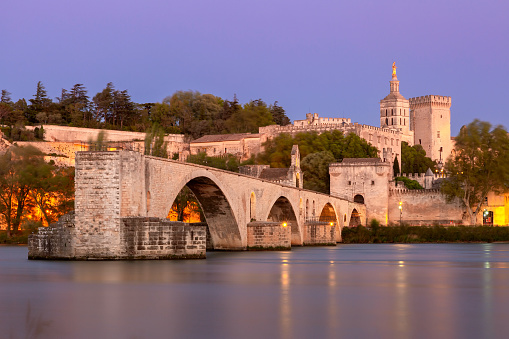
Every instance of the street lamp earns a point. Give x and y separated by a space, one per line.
400 211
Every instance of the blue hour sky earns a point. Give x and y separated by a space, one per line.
330 57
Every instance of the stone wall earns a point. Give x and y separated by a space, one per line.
319 234
424 207
97 204
268 235
54 242
154 238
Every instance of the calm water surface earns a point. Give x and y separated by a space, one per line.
348 291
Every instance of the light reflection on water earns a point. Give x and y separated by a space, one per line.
376 290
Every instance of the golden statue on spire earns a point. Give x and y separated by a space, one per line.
394 69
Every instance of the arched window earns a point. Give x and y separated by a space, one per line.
359 199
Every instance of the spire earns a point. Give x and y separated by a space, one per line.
394 81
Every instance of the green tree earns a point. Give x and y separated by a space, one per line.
40 103
479 165
253 115
226 162
279 114
395 167
103 104
315 167
154 142
414 160
6 106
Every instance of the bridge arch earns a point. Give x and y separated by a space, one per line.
214 200
355 218
283 211
329 214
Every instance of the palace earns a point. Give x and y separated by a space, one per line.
424 120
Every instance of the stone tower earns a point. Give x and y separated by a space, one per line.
365 181
394 108
431 123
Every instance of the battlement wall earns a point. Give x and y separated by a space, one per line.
423 207
79 134
435 100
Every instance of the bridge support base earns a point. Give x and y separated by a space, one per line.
266 236
319 234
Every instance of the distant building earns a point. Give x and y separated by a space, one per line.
242 145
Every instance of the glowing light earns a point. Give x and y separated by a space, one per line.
331 223
285 224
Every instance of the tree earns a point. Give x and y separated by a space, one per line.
6 105
315 168
154 142
17 166
186 204
279 115
414 160
253 115
38 104
103 104
395 167
479 165
226 162
52 190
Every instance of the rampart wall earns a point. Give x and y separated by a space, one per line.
424 207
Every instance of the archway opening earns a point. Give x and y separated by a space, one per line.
282 210
328 215
222 230
186 207
355 218
358 199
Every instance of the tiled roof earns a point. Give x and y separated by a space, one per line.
274 174
225 137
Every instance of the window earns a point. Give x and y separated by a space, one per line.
419 141
378 139
372 182
438 134
349 182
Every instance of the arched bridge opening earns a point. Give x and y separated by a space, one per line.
355 218
328 215
221 223
282 211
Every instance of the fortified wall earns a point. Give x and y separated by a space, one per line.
65 141
424 207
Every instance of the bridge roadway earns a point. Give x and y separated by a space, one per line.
119 184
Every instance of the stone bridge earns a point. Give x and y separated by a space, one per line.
114 185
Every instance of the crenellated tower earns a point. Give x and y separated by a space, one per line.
431 123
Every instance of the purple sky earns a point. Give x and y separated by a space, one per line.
330 57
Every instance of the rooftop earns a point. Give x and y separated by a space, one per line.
225 137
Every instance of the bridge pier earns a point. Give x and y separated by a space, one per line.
318 233
268 236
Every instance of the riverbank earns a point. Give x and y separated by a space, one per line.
424 234
20 238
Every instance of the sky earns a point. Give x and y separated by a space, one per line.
333 57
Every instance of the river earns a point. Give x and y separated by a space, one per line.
348 291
